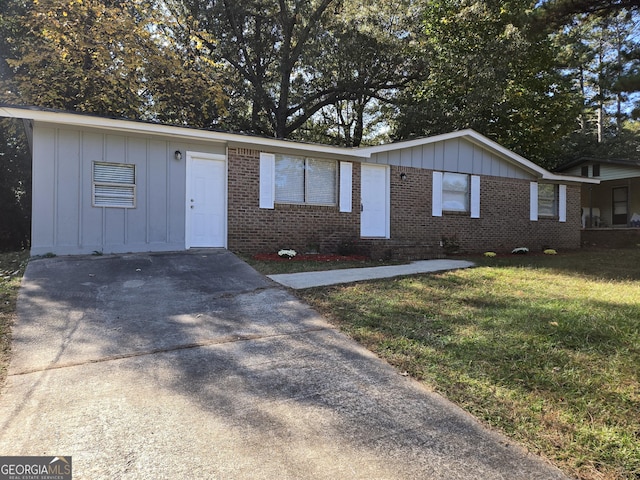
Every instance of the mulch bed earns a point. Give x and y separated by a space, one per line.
309 257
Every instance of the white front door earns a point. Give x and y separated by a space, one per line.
206 215
374 203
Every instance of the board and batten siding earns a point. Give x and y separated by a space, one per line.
65 221
454 155
607 172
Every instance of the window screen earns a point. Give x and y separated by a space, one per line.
321 182
547 200
289 179
455 192
305 180
114 185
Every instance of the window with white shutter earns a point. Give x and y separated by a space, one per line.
305 180
547 200
114 185
455 192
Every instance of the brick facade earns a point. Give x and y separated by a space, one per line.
503 224
301 227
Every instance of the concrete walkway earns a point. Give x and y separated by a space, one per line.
347 275
192 365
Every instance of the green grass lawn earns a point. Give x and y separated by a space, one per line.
544 348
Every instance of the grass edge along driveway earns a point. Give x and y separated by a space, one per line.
545 349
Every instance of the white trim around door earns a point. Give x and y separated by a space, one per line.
206 200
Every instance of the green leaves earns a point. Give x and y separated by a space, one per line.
109 58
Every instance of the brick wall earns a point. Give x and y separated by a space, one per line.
503 224
504 217
301 227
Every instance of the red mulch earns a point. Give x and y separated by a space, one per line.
312 257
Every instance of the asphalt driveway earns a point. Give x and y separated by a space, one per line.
192 365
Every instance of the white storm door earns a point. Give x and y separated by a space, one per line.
374 203
206 215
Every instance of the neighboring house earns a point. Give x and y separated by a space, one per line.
110 185
615 202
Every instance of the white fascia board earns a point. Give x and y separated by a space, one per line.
129 126
552 177
271 144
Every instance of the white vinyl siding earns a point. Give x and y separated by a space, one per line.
114 185
305 180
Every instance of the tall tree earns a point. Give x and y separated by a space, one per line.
488 73
600 54
551 15
372 48
106 57
291 57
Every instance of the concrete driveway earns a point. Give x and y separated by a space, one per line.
192 365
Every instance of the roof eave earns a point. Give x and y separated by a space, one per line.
130 126
552 177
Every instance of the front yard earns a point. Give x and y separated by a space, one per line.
543 348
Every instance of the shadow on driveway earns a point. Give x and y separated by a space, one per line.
193 365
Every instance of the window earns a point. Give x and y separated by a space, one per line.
547 200
620 204
584 171
595 170
114 185
455 192
305 180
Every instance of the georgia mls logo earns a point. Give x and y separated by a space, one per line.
35 468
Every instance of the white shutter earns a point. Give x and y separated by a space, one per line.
475 196
346 186
562 203
267 179
436 203
533 202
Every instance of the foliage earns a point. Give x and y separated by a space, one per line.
289 60
15 183
553 14
489 73
103 57
545 348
